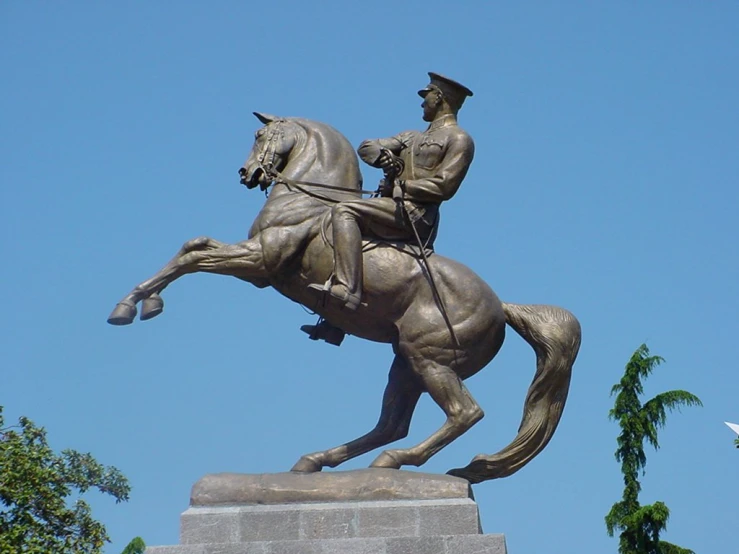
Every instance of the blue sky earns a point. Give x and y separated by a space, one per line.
605 181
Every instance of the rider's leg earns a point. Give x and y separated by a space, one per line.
347 236
373 218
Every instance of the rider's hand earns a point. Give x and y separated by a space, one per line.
386 160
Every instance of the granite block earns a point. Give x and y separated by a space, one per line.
242 548
388 521
177 549
354 546
268 523
328 523
449 518
294 547
493 543
441 544
210 526
416 545
372 512
340 520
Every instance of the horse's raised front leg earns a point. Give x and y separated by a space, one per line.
448 391
153 305
242 260
399 401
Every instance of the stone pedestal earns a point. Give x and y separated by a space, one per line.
353 512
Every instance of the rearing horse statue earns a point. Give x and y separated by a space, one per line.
287 249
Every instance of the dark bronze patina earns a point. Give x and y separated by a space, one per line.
358 265
431 168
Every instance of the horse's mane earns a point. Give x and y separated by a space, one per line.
335 160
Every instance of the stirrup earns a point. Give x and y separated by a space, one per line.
339 292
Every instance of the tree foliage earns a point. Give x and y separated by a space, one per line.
640 526
41 510
136 546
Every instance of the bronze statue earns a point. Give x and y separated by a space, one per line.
430 168
443 322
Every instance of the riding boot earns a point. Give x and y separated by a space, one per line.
347 252
323 330
347 283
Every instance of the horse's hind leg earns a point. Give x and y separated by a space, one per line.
398 402
448 391
242 260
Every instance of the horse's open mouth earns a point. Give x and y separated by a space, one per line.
251 181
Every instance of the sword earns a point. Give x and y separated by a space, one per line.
390 180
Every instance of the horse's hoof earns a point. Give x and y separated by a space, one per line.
307 464
123 314
386 460
151 307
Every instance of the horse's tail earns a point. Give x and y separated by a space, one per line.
554 334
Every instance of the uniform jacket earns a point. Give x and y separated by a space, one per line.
436 160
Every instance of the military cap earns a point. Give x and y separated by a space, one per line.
454 92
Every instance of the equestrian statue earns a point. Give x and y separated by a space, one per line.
367 267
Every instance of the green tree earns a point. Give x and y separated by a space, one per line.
640 526
41 510
136 546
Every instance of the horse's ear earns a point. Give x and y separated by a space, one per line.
265 117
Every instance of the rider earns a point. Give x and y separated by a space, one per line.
434 165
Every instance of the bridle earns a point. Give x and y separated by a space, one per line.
266 158
267 155
266 164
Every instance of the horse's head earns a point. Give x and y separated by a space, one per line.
272 146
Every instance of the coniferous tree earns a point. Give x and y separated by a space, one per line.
136 546
640 526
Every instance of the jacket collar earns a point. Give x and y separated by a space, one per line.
443 121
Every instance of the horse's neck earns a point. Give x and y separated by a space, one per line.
322 162
308 161
322 155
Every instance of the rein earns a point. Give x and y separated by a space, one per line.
266 161
270 150
280 178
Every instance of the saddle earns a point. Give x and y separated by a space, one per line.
323 329
409 247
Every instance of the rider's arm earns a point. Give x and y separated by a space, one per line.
445 179
370 150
